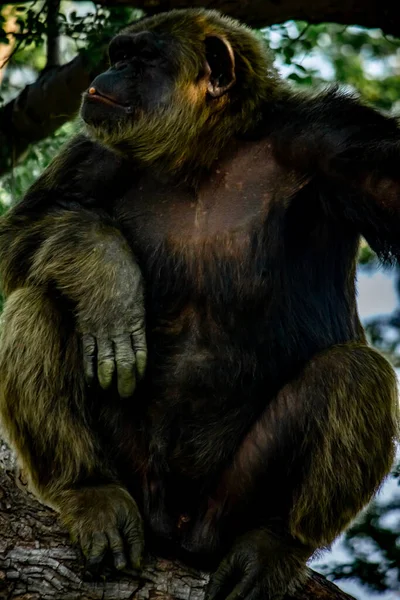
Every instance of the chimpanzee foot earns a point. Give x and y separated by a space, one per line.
260 566
106 522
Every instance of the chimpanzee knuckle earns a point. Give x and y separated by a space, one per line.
89 350
89 344
125 367
138 326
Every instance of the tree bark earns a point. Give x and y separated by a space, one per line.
37 561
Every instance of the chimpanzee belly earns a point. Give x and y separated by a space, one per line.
205 385
220 311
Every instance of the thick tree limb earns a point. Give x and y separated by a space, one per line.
260 13
37 562
41 108
53 40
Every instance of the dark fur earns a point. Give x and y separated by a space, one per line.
264 422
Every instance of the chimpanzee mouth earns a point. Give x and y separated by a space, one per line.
93 95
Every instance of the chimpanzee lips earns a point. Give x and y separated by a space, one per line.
94 95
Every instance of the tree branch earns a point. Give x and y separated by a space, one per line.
384 14
37 561
53 39
41 108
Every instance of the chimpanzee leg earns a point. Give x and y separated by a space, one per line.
339 419
46 415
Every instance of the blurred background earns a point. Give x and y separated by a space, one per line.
49 52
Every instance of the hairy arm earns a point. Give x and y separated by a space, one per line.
344 142
60 238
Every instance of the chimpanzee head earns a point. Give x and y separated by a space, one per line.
179 80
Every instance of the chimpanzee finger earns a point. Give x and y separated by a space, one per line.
243 588
256 592
134 537
125 359
89 355
220 581
141 362
97 551
117 549
105 362
140 348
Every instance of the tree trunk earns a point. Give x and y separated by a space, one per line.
37 561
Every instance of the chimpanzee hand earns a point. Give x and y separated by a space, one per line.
260 566
113 334
106 522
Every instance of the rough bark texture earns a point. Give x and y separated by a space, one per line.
37 562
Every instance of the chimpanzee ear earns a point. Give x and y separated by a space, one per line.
221 63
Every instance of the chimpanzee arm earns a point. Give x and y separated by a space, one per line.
61 240
337 138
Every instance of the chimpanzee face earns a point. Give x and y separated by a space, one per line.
179 84
140 80
166 78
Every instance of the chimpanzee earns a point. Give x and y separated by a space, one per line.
207 222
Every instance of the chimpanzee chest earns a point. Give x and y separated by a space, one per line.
221 210
207 269
209 300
